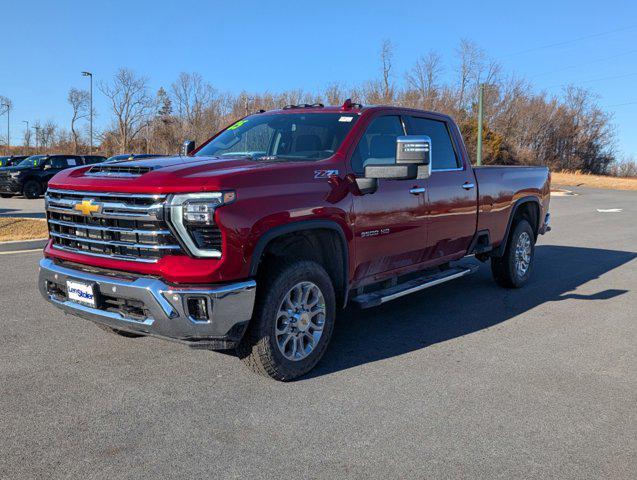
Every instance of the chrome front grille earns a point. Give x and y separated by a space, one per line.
123 226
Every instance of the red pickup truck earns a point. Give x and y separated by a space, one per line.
255 239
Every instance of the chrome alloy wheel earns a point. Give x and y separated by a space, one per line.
523 254
300 321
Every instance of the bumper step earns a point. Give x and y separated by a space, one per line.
373 299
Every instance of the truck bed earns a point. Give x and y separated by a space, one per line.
500 187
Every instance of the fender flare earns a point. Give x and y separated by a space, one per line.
529 199
301 226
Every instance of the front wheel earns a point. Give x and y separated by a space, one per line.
513 269
32 190
6 195
292 323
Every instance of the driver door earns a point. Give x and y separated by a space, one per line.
390 224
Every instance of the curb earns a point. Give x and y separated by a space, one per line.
16 246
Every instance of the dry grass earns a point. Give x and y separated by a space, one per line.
22 229
593 181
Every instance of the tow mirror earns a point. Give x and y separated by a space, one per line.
413 160
187 147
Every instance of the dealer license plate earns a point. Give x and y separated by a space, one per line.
80 293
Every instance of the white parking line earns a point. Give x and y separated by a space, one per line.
21 251
609 210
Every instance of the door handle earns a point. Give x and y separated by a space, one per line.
468 186
417 190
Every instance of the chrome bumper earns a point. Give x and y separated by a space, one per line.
163 308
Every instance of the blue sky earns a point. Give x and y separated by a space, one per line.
276 45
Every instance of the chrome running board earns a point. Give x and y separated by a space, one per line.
373 299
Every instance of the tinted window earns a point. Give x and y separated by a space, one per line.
91 159
443 154
378 143
58 162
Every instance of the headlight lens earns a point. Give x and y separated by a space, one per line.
192 216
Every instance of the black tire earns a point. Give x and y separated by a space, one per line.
121 333
258 348
6 195
32 190
504 268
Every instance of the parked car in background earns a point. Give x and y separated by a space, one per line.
31 176
10 161
132 156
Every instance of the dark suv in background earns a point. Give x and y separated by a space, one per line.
31 176
11 160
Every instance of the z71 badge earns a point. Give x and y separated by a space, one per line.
325 173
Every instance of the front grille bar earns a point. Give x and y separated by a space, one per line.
108 229
113 243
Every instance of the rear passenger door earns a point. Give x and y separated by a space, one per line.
451 200
390 224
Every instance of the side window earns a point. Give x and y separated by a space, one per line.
378 143
443 154
58 162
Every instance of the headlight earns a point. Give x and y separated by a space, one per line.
192 217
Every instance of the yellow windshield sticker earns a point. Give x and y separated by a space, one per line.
237 125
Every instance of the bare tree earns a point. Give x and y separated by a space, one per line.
130 103
192 96
80 104
424 75
26 138
386 57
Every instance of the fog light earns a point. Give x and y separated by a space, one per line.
198 308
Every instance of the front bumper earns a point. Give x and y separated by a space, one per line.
8 185
149 306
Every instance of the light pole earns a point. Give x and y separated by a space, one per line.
89 74
8 131
37 137
27 136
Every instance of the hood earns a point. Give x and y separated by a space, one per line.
172 174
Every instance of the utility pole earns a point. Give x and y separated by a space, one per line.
8 131
89 74
27 136
479 147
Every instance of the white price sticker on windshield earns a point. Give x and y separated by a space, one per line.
345 119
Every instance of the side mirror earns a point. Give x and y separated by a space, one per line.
187 147
415 150
413 160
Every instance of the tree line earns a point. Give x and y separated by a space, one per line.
521 126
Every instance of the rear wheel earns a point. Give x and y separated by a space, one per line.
293 321
6 195
32 189
513 269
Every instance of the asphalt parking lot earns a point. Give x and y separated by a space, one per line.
465 380
22 207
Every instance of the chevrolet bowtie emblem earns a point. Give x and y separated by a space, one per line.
87 207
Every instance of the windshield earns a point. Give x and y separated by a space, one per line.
301 137
31 161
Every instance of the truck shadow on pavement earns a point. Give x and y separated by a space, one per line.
464 306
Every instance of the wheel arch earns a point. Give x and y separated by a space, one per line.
282 236
525 207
